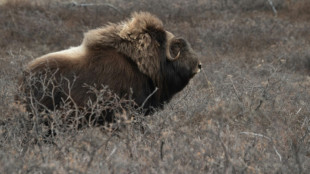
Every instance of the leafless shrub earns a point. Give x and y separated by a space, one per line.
246 112
105 108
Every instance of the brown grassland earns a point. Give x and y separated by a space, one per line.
246 112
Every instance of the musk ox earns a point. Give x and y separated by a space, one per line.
132 58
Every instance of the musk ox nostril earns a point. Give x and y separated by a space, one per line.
199 65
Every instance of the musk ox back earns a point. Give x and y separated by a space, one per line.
131 58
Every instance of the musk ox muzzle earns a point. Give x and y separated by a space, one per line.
131 58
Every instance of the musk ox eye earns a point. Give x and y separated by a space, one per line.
198 69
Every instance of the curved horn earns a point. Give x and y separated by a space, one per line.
170 36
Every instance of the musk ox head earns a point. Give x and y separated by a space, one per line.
133 57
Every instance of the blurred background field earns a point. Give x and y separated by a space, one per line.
246 112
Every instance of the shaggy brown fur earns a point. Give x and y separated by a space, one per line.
128 56
131 39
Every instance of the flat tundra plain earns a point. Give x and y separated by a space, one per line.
247 111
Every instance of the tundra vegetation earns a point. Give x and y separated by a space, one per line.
246 112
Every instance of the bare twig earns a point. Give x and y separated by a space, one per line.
147 98
256 134
235 89
298 111
279 155
162 149
228 162
273 8
113 151
265 137
92 155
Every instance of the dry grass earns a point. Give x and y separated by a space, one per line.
247 112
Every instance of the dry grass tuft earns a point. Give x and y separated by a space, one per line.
246 112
